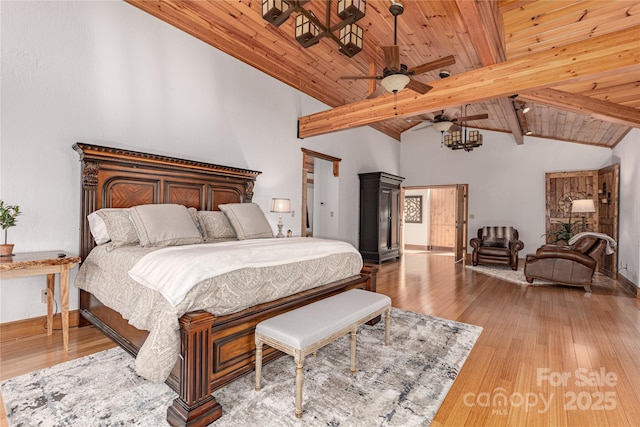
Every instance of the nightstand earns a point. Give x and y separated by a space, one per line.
45 263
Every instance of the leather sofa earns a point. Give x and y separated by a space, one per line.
567 265
496 245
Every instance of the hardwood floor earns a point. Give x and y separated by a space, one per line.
553 356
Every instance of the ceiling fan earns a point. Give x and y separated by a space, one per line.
443 123
396 76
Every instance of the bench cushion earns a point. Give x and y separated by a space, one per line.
311 323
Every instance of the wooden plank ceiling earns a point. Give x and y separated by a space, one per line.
576 64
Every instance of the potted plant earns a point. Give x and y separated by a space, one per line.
8 214
564 233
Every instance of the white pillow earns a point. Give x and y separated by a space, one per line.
98 228
164 225
248 220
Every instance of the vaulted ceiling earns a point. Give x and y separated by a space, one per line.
575 63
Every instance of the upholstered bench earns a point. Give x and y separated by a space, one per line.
305 330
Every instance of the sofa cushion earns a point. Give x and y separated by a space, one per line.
493 251
497 237
584 244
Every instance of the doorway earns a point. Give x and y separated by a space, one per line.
436 218
320 191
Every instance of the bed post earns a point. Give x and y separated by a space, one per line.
371 271
195 405
89 186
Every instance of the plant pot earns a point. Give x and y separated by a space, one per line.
6 250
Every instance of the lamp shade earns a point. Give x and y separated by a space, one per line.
583 206
395 82
442 126
280 205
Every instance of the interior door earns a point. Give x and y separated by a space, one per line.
395 219
385 230
306 227
442 217
462 204
608 187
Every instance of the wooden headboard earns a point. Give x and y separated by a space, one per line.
116 178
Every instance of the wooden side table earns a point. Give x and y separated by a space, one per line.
45 263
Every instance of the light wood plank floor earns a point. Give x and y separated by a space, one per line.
552 356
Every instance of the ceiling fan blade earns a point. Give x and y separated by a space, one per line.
391 57
433 65
360 78
418 86
454 127
376 93
420 127
469 118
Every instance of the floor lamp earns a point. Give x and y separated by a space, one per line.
280 206
583 207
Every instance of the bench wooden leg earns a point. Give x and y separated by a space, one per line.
258 363
387 326
299 359
353 350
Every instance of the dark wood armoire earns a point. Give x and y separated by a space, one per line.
379 216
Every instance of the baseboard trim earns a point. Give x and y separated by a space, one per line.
416 247
34 326
628 285
441 248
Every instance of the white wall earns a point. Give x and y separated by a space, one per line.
627 153
506 181
107 73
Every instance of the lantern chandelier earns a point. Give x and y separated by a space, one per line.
309 30
460 139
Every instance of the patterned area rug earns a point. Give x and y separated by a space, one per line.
401 385
507 274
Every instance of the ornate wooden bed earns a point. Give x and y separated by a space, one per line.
214 350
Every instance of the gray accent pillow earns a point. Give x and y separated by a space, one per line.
120 228
165 225
248 220
215 226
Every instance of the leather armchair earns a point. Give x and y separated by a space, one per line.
496 245
567 265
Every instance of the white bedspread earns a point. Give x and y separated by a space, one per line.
175 270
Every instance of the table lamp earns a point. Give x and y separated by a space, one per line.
280 206
583 207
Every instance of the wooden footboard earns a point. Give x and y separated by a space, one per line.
214 350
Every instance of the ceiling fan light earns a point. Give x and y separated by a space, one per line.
395 82
442 126
351 39
349 8
525 109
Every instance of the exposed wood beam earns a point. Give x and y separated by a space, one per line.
485 31
511 119
615 51
487 38
602 110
